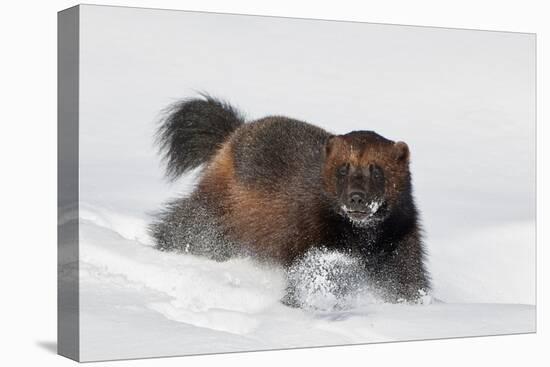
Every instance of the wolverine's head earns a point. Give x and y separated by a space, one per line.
365 174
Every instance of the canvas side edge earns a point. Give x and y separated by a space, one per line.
68 340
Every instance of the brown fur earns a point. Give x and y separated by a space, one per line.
266 230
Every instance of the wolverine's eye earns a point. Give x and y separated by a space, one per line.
375 171
343 170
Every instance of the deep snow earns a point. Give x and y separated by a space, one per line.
140 302
462 100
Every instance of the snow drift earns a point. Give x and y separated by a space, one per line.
141 302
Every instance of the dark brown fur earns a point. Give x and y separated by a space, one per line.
264 223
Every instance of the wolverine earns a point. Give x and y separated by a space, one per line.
276 188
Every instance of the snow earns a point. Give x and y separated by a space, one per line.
374 206
326 280
140 302
463 102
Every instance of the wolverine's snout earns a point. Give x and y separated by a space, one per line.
357 199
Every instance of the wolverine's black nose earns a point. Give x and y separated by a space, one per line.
357 198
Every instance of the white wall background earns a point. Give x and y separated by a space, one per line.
28 74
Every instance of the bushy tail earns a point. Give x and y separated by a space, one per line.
192 130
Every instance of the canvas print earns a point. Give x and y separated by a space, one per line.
235 183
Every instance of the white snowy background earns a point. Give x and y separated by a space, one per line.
462 100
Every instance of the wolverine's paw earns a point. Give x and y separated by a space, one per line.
324 280
290 300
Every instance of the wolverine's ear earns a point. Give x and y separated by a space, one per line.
332 142
401 150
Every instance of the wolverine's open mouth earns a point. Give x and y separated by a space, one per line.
359 216
356 212
363 216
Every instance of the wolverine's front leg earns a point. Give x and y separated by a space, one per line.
400 275
323 279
